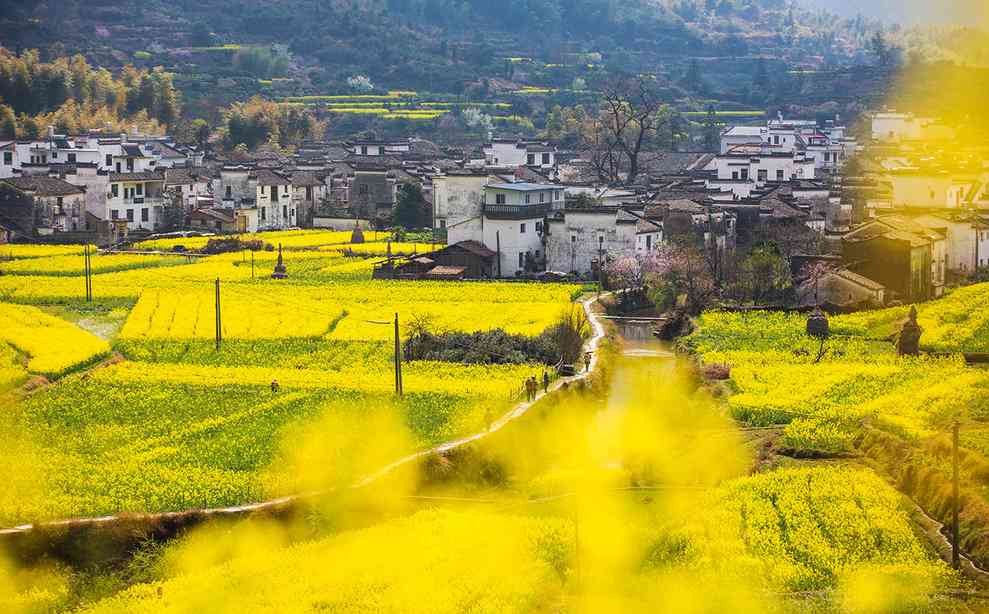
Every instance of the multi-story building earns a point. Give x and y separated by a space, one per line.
137 198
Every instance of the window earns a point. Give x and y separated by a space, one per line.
262 190
264 213
528 198
114 189
363 150
130 165
284 211
763 174
522 229
8 158
745 173
734 175
545 158
499 199
364 189
118 167
442 223
521 260
72 158
573 239
228 194
539 226
139 189
285 190
219 225
130 215
542 197
779 175
531 159
58 203
144 214
54 155
114 214
109 159
308 192
648 243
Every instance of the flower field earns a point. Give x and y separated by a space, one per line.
52 345
179 424
859 381
74 264
836 530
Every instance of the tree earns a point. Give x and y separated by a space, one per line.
712 131
8 122
764 275
410 207
881 49
677 271
632 115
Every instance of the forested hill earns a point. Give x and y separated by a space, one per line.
434 45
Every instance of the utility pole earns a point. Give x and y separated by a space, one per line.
498 248
955 556
88 267
252 264
219 323
398 361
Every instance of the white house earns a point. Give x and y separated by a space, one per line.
967 240
136 197
60 205
276 208
511 152
511 224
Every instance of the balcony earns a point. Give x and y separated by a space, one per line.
516 212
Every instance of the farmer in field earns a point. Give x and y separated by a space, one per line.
274 385
587 361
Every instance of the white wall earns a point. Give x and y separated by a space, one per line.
507 234
457 198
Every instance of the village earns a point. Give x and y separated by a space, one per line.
857 223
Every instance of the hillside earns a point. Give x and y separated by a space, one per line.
220 50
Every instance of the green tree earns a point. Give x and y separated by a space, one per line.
8 122
712 131
410 207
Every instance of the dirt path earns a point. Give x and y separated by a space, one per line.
284 503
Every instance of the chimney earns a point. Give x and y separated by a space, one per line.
51 132
123 138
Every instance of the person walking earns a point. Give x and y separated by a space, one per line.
545 381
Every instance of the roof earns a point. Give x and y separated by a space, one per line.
43 186
214 214
523 186
268 177
475 247
185 176
143 176
132 149
859 279
305 178
446 271
746 131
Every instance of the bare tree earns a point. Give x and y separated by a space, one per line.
632 118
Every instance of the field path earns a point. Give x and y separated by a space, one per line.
187 517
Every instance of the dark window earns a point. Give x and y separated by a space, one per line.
139 189
262 190
284 211
521 260
745 173
114 214
58 201
442 223
531 159
118 167
308 192
8 158
499 199
72 158
779 175
144 214
264 213
228 191
130 215
54 155
545 158
363 150
109 159
219 226
522 229
130 164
